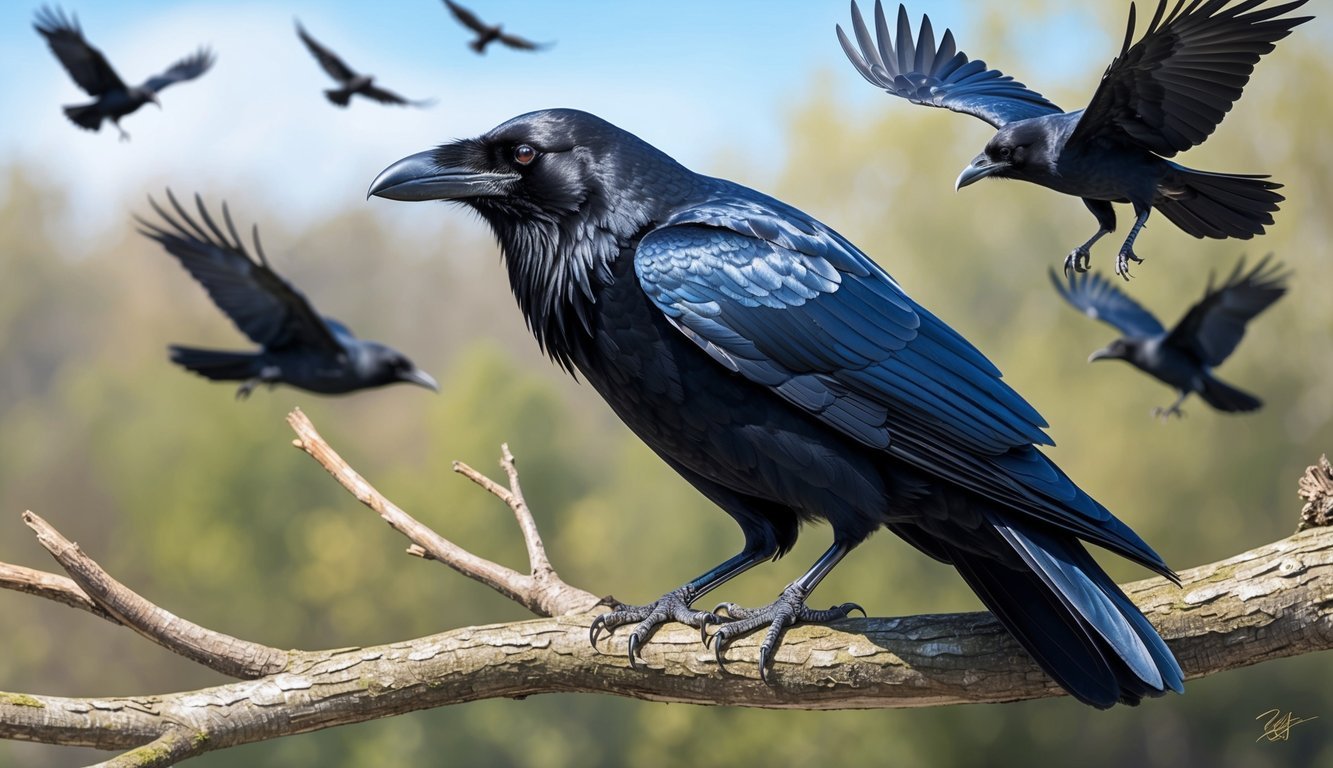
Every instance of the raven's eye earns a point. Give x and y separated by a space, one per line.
524 154
1005 153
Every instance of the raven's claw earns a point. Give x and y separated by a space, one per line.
1165 414
673 606
1122 262
1078 260
787 610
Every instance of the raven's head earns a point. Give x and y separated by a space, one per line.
1120 349
380 364
564 192
1019 150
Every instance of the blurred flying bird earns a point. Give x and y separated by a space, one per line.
489 33
786 376
1161 95
1182 358
93 73
349 81
299 347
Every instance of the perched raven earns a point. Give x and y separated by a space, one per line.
788 378
489 33
349 81
1184 357
94 74
300 348
1161 95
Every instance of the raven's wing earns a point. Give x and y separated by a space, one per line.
1212 328
522 44
385 96
465 17
782 300
336 67
937 77
187 68
1168 92
85 64
1100 299
263 306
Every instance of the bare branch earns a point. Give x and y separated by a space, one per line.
513 497
229 655
166 750
51 586
1316 487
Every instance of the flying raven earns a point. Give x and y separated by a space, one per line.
349 81
94 74
299 347
489 33
788 378
1182 358
1161 95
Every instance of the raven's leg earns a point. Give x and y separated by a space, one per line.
124 135
1081 257
788 609
1127 250
1174 409
675 605
269 375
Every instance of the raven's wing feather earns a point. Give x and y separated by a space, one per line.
465 17
85 64
263 306
522 44
385 96
188 68
792 306
1211 329
937 76
334 66
1171 89
1100 299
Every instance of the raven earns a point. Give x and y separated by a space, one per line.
1161 95
788 378
94 74
349 81
300 348
489 33
1182 358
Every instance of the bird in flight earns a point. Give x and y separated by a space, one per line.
350 81
93 73
1183 358
789 378
1162 95
490 33
298 347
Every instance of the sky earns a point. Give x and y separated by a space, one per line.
701 80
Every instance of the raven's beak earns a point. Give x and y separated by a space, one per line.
1101 354
420 378
421 177
156 103
980 168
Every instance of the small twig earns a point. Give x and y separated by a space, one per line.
1316 487
168 749
547 596
226 654
51 586
513 497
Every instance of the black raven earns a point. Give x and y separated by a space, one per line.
489 33
1182 358
788 378
349 81
94 74
299 347
1161 95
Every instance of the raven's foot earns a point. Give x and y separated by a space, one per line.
1122 261
1165 414
248 386
788 609
124 135
1078 260
673 606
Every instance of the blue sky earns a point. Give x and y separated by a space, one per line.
696 78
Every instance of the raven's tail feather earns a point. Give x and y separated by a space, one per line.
1077 624
1225 397
216 364
85 116
1219 205
339 96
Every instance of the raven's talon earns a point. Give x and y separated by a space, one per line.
788 609
1165 414
673 606
1078 260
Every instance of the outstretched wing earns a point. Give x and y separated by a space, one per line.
263 306
85 64
385 96
187 68
1100 299
337 69
790 305
1170 90
937 77
522 44
465 17
1211 329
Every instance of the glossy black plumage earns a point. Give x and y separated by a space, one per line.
489 33
788 378
350 82
1160 96
1183 357
298 346
94 74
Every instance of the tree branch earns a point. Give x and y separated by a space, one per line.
1270 602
